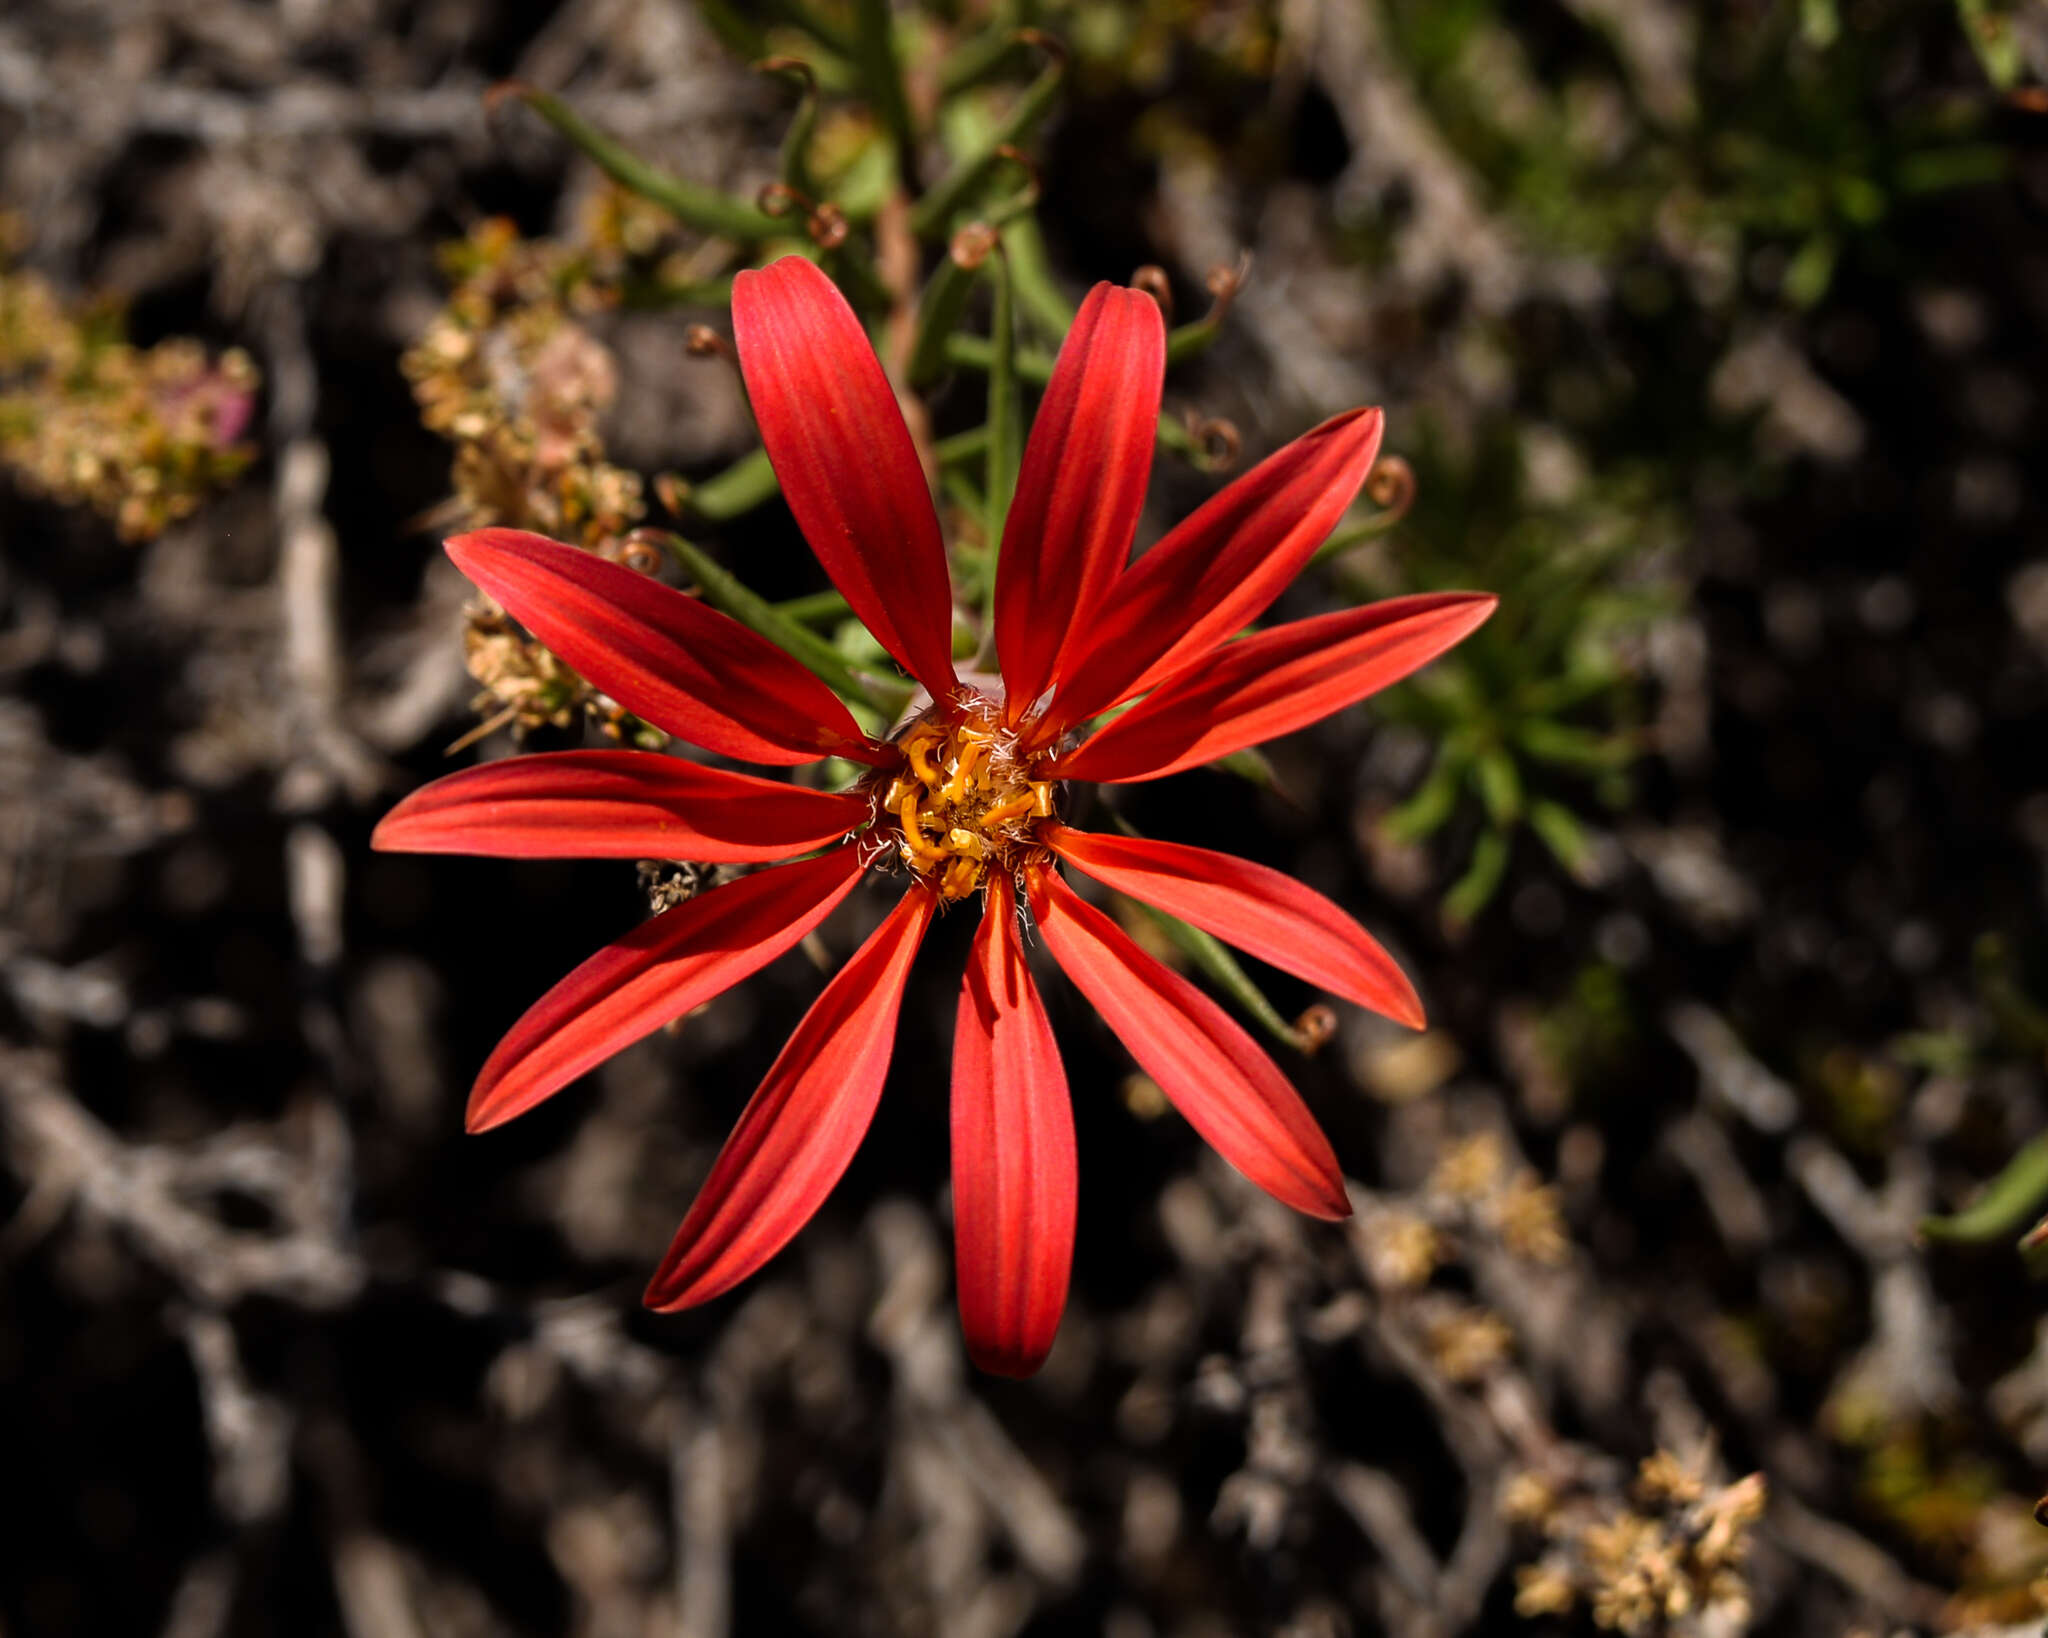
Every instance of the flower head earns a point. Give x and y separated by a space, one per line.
963 800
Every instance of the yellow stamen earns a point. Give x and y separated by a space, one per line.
962 802
913 831
918 749
1004 812
963 774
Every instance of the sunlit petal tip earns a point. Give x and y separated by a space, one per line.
686 668
1081 487
1275 682
1219 569
848 469
659 971
1014 1174
1258 909
1205 1064
800 1129
616 805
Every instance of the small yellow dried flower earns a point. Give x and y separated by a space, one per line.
141 435
1400 1250
1543 1589
1466 1342
1529 1222
1471 1168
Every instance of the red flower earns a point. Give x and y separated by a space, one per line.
963 800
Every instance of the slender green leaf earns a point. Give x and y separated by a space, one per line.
2007 1201
690 202
725 592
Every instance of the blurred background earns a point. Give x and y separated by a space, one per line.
1712 340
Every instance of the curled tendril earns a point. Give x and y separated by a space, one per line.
779 199
827 226
1314 1029
1152 279
1218 440
1024 162
1391 485
972 246
701 341
1050 44
672 489
496 96
641 555
795 67
1224 282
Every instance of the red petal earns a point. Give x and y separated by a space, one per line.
1013 1154
615 805
1219 569
1081 487
800 1129
1212 1071
848 469
1262 912
659 971
1273 683
685 668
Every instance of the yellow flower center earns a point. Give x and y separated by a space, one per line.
964 802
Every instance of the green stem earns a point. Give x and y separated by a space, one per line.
725 592
749 482
938 318
1039 297
1342 541
795 159
952 190
968 65
734 32
875 53
962 446
1004 414
814 609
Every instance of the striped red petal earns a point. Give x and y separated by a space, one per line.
1273 683
1013 1154
1262 912
1210 1070
683 667
1081 487
1219 569
800 1129
615 805
659 971
848 469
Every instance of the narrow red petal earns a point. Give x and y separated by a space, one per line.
615 805
848 469
800 1129
1220 569
1273 683
685 668
1081 487
1262 912
659 971
1210 1070
1013 1154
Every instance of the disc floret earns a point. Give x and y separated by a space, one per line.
965 801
